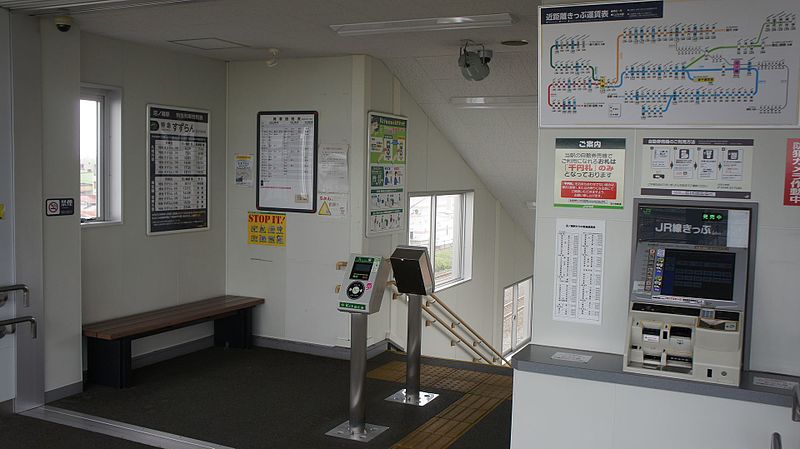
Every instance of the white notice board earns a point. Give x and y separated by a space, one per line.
679 64
177 173
287 161
580 254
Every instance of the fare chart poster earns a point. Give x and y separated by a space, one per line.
386 195
675 64
177 175
287 161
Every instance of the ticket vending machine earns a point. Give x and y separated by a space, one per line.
360 295
691 289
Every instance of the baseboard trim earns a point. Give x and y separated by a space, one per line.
172 352
63 392
7 407
333 352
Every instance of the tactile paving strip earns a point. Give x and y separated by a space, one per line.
483 393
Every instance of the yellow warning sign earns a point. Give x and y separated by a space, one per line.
266 229
2 211
325 209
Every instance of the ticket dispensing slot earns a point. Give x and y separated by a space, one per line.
689 290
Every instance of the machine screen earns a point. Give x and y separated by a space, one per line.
698 274
362 267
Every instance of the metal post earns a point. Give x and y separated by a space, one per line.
411 394
414 347
356 428
358 371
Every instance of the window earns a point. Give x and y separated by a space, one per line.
100 185
517 315
443 224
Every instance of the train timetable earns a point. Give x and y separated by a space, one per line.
710 63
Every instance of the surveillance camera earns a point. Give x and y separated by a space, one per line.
63 23
474 67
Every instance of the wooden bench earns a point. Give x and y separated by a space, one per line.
109 342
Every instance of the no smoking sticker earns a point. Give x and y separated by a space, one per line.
56 207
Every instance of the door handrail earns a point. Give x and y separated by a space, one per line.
19 320
26 292
776 441
475 334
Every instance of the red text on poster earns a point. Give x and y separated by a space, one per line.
791 190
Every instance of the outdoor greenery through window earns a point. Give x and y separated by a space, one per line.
92 145
439 222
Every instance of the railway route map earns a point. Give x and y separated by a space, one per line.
687 64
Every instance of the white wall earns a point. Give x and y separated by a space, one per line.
124 270
60 174
553 412
299 280
502 252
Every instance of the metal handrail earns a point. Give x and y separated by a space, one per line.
19 320
460 338
26 292
776 441
473 331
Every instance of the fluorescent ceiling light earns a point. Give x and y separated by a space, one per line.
45 7
209 43
519 102
429 24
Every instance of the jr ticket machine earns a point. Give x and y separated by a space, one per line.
691 286
360 295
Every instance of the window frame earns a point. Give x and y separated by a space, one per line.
464 230
515 287
109 157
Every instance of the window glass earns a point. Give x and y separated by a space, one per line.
523 311
90 163
508 314
447 257
419 222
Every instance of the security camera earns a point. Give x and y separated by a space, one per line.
63 23
474 64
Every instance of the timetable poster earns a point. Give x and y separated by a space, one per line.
178 141
386 202
287 161
580 254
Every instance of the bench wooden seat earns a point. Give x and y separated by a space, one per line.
109 342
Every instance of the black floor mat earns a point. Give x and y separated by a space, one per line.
20 432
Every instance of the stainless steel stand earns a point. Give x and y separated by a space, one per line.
411 394
357 428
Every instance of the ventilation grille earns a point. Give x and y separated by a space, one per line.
44 7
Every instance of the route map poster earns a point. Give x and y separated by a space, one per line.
687 64
386 195
703 168
590 173
177 175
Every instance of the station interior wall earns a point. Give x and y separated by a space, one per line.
97 272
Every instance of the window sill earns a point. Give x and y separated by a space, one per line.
440 288
100 224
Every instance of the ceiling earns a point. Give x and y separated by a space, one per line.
500 145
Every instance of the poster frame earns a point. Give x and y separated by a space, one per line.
147 171
312 209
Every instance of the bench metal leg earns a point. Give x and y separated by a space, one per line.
235 331
110 362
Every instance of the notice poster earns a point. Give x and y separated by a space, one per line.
333 168
287 161
266 229
177 175
703 168
386 195
791 189
580 252
590 173
243 170
333 204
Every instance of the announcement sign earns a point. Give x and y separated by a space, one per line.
590 173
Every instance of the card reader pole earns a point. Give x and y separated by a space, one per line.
358 372
414 349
